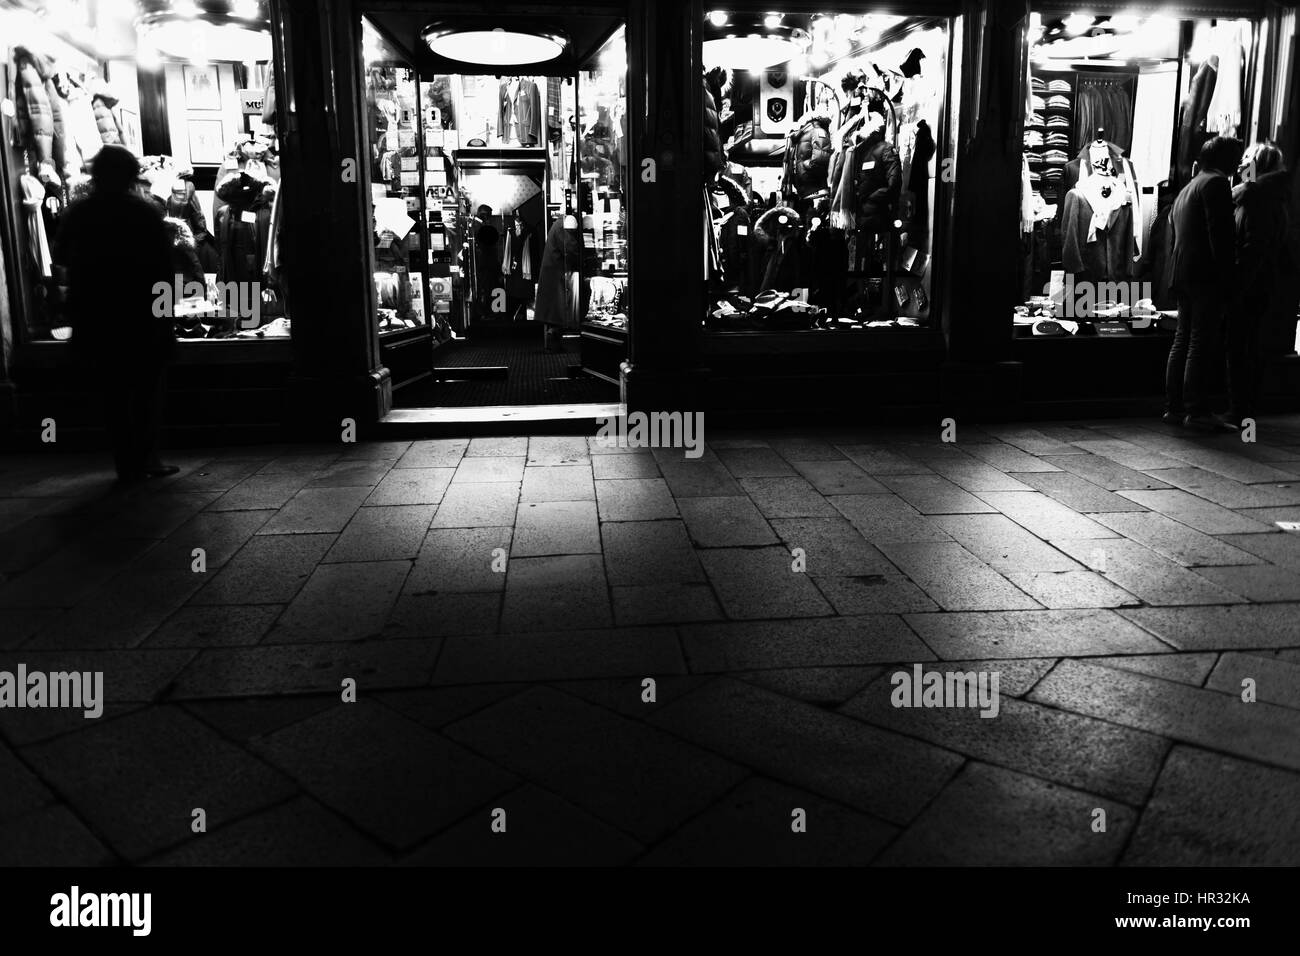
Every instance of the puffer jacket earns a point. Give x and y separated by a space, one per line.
776 252
808 155
184 255
103 101
35 115
879 180
735 233
713 160
67 157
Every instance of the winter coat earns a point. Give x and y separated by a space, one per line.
878 180
35 115
183 203
558 295
1261 229
776 252
116 251
808 155
81 123
734 233
102 103
184 256
1204 260
241 242
67 158
713 159
1195 109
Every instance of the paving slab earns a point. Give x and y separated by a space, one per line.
1214 810
1259 731
1244 627
990 816
626 772
999 634
830 642
877 772
752 826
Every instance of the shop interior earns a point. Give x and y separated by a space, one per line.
498 168
1116 111
188 89
823 136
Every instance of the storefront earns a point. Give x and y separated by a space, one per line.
190 89
1116 106
831 142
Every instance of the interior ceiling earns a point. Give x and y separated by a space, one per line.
587 32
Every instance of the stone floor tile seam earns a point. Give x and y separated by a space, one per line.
992 762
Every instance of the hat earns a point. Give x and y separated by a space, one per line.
912 65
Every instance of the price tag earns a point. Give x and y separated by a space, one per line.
249 217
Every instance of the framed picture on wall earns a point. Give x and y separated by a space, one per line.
207 142
131 138
202 90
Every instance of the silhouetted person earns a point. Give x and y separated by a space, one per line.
116 250
1262 265
1204 279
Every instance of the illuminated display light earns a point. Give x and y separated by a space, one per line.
494 47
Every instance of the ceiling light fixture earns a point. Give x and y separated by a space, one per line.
237 32
494 46
752 43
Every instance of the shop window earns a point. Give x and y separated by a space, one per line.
1116 110
499 192
397 176
191 93
823 136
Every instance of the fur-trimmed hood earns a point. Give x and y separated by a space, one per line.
771 226
819 117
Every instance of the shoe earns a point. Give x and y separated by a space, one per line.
1173 418
1206 423
161 471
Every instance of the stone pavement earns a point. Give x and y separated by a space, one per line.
1122 579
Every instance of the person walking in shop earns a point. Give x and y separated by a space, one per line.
1204 277
115 250
1263 267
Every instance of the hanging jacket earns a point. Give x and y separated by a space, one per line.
244 227
102 103
67 157
734 233
776 252
35 115
878 181
713 160
1194 111
81 123
808 155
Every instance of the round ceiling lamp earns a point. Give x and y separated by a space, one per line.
214 31
751 41
494 46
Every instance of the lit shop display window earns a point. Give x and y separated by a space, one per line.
188 88
1116 110
498 192
823 137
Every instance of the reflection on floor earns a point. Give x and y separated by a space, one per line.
505 370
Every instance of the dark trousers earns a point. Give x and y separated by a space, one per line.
134 401
1245 358
1198 346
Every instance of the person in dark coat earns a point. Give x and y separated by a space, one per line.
1204 277
558 284
116 252
1261 202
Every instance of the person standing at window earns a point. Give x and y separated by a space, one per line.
116 251
1204 277
1261 202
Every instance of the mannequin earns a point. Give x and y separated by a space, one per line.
1100 213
